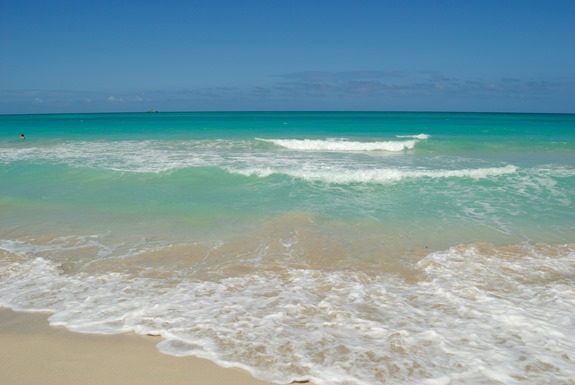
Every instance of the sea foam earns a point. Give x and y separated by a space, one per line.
344 144
345 176
420 136
477 315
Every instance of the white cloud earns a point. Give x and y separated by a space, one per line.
115 99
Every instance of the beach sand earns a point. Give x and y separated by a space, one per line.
34 353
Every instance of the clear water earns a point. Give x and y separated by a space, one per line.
343 248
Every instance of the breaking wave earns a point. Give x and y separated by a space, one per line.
343 176
339 144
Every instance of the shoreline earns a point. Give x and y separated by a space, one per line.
33 353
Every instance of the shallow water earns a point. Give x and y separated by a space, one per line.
343 248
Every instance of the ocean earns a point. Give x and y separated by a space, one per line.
340 248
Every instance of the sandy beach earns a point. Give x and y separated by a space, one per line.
34 353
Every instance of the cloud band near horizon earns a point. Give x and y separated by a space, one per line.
315 90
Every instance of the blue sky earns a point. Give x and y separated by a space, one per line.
176 55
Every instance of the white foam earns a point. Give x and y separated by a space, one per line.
344 176
341 145
477 317
130 156
419 137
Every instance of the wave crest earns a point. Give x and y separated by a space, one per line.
339 176
346 145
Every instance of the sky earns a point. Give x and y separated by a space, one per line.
77 56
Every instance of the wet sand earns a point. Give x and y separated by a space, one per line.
34 353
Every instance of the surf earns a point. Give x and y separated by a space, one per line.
373 176
344 145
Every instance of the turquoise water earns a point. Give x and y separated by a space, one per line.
345 248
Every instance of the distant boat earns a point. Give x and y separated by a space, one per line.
152 110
